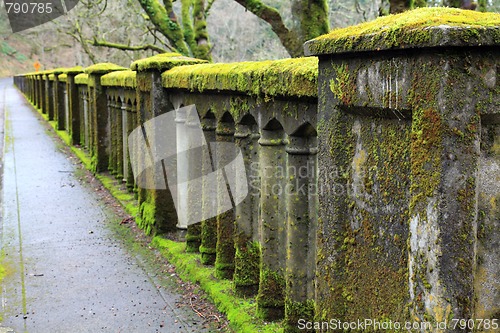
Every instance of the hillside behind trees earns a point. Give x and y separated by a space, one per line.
228 32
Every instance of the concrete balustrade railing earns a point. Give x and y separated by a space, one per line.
373 186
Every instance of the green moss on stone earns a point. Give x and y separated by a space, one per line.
146 218
81 78
287 77
62 77
164 61
103 68
422 27
294 311
124 78
208 241
270 301
246 272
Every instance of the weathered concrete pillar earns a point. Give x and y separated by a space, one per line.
113 131
157 209
73 104
194 152
272 163
49 96
209 224
301 209
59 102
247 256
41 90
119 139
224 262
129 113
36 90
400 158
98 115
182 166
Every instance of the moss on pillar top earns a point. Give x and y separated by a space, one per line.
120 79
74 70
422 27
287 77
62 77
52 77
81 78
164 61
103 68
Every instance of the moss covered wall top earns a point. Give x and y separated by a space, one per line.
120 79
423 27
287 77
81 78
164 61
103 68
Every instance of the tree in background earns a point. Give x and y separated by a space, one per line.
187 36
190 37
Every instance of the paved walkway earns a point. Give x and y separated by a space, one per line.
65 271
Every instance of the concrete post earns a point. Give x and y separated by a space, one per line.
301 206
98 111
209 224
400 133
73 105
157 209
272 162
49 96
247 256
224 262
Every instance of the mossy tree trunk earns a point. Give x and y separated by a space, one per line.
312 16
190 38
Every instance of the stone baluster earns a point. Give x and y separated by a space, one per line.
247 255
224 263
209 223
272 163
301 205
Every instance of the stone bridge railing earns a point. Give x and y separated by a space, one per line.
373 186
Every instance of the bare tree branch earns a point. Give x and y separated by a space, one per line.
124 47
289 38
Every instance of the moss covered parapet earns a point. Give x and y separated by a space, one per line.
120 79
288 77
103 68
164 61
422 27
81 78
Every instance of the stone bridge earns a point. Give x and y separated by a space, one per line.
372 166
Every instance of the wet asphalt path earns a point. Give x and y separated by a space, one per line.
66 273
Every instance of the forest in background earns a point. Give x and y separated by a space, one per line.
226 29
